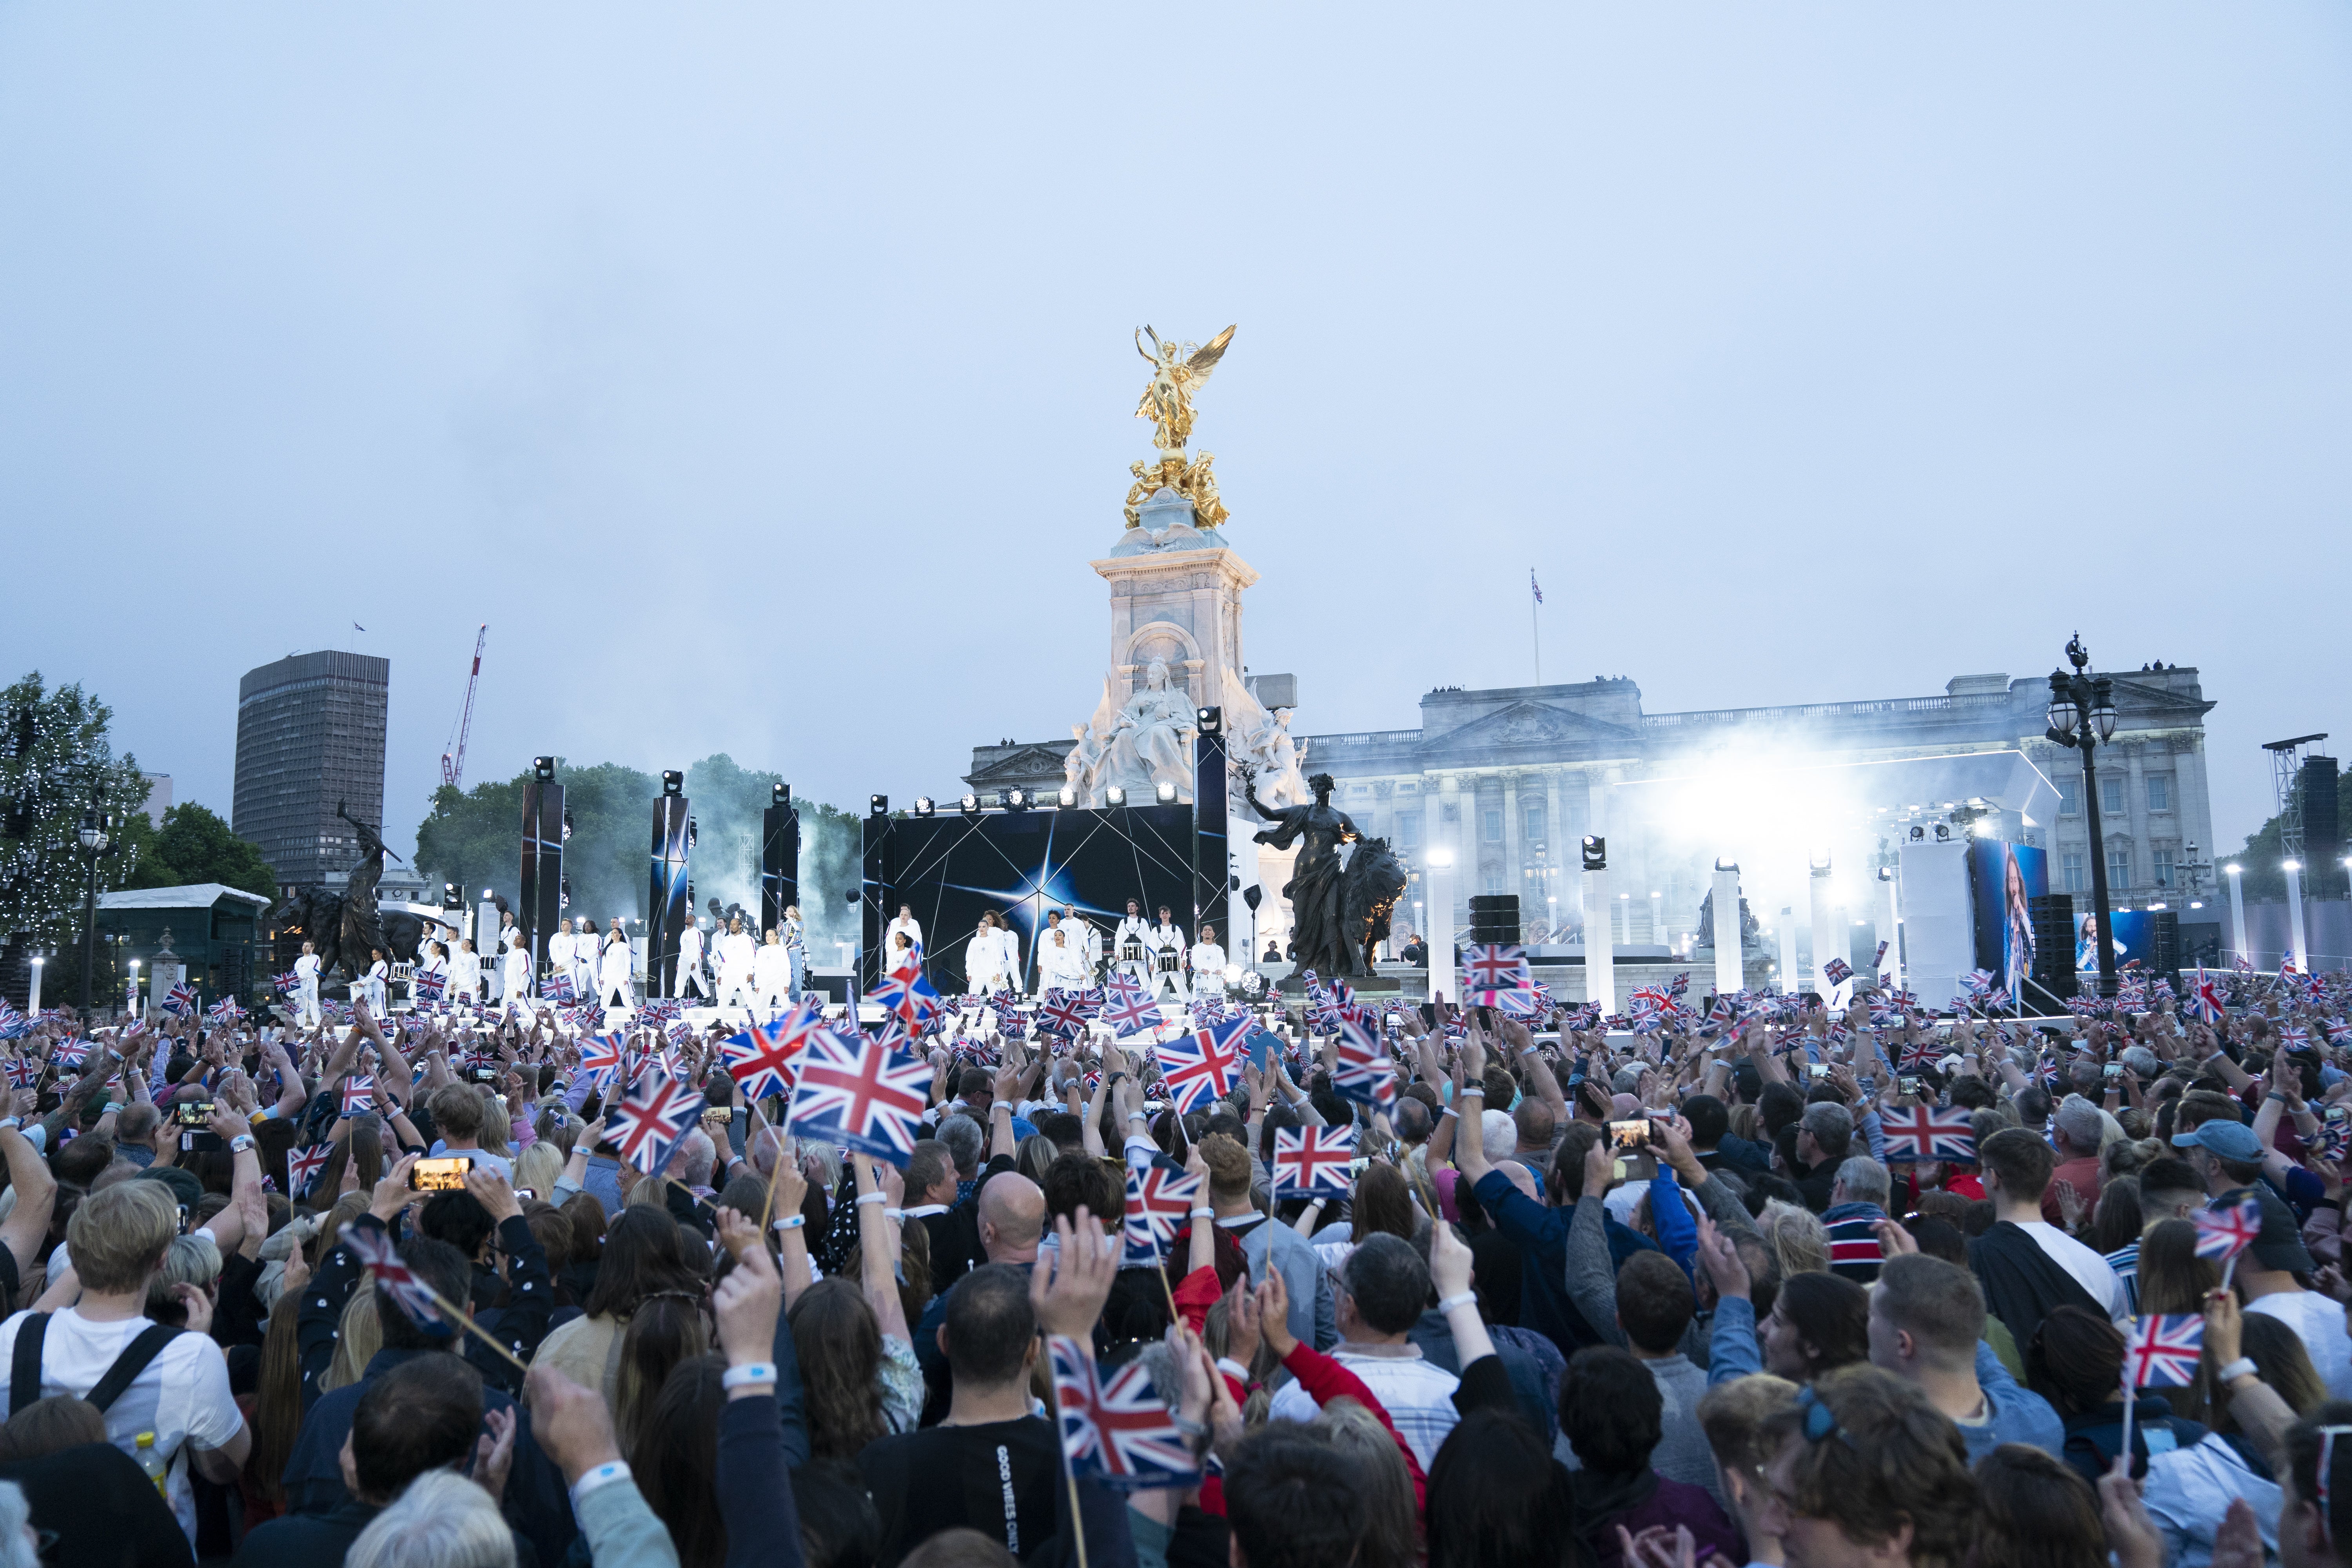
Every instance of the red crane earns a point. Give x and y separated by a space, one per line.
453 762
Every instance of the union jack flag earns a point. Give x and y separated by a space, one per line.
648 1125
2241 963
1837 971
868 1097
1926 1132
1128 1009
374 1249
1976 982
1064 1013
1117 1430
2222 1234
359 1093
1491 968
1311 1160
1161 1197
1361 1069
70 1053
14 1025
2205 998
1200 1066
556 988
2164 1351
23 1074
286 984
1918 1054
180 1001
2295 1038
303 1165
600 1056
428 986
761 1059
905 992
661 1010
1209 1010
1882 956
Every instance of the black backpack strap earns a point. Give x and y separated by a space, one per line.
25 1368
131 1363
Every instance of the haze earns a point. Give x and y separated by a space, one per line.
764 378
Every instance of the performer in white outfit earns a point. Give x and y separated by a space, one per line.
1091 938
515 971
559 951
378 973
1168 947
1050 935
613 967
1208 962
772 974
905 924
902 954
796 943
510 936
735 962
1061 962
305 989
465 973
690 962
1132 945
983 960
430 959
584 959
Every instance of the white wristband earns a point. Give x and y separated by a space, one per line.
791 1222
872 1198
601 1476
750 1372
1467 1299
1204 1213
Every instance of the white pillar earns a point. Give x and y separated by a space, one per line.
1600 944
1238 925
2293 869
1892 931
2244 945
33 1002
1440 934
1727 975
1788 950
1824 934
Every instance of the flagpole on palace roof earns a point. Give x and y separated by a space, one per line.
1535 627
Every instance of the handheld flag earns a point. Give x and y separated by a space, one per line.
1200 1066
303 1165
374 1249
761 1059
868 1096
1161 1197
1921 1133
2164 1351
359 1093
1312 1160
1491 968
2222 1234
648 1124
1117 1430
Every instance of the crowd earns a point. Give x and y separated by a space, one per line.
1749 1280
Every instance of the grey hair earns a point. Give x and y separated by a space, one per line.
2144 1062
442 1520
1626 1079
2080 1120
964 1140
1831 1124
1865 1180
701 1153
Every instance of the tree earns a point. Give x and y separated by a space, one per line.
54 764
196 846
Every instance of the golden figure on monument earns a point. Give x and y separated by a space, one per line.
1176 370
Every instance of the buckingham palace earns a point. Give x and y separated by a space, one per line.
1509 781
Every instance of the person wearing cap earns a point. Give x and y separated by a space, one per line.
2228 1156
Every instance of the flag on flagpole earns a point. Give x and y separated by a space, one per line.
1117 1430
1533 587
374 1248
2222 1234
1308 1161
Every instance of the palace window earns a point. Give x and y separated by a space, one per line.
1535 825
1491 826
2072 878
1409 829
2161 867
2110 796
2159 792
2119 867
2070 797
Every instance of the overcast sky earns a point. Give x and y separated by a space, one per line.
765 383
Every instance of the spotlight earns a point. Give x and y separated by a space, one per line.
1211 720
1596 853
1943 833
1115 796
673 782
923 806
1167 793
1723 865
1918 834
488 895
1012 799
970 805
1886 873
878 805
449 899
1068 797
543 767
780 794
1819 861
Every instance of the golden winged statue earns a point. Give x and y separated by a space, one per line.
1177 369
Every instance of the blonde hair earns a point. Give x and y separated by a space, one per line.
357 1339
120 1235
537 1168
1800 1243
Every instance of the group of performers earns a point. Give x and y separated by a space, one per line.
764 976
1071 955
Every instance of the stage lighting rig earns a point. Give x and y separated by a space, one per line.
673 782
1595 852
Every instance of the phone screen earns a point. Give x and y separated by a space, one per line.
194 1113
1632 1136
445 1175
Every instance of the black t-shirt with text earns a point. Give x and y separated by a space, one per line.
997 1479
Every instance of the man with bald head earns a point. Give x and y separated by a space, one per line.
1011 1224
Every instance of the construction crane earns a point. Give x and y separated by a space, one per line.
453 756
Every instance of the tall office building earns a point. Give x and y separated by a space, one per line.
309 733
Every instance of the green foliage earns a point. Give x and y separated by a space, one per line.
67 766
196 846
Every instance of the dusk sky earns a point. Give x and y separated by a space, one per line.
764 378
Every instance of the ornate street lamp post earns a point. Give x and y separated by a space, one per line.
2082 715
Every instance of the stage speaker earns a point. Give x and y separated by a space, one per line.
2164 945
2054 943
1495 918
666 911
2323 827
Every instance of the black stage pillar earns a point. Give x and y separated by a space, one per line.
880 896
1210 859
541 902
665 910
779 862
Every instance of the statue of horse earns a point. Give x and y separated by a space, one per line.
1369 890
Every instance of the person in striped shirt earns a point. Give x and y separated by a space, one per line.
1857 1208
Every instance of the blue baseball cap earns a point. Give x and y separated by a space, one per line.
2228 1139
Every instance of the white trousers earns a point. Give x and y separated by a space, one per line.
616 988
1171 983
689 976
305 1002
733 982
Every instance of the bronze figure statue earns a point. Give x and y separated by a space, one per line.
1329 928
